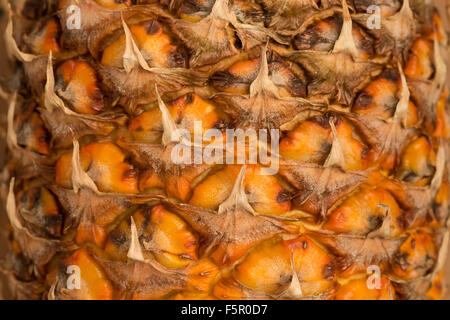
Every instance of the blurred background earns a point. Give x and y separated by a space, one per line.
5 71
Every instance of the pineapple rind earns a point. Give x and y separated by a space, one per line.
363 174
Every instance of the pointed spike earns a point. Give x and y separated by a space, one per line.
336 156
385 229
401 111
135 251
4 94
439 61
391 297
406 8
11 136
13 217
442 255
262 81
404 14
346 42
219 7
441 72
294 291
238 197
264 69
80 178
400 26
221 10
129 58
51 293
51 99
168 124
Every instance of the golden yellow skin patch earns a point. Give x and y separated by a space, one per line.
156 47
442 129
419 65
114 3
268 266
436 291
309 142
264 192
417 162
415 257
381 96
165 237
107 167
184 110
94 283
47 38
358 290
364 212
81 88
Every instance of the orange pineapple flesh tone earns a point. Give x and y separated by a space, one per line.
362 180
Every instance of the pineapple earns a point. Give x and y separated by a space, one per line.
99 208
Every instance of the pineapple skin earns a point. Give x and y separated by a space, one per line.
97 208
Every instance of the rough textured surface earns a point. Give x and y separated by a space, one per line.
3 110
340 90
444 6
